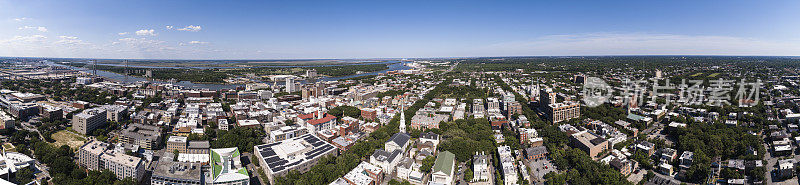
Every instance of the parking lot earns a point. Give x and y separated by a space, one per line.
541 167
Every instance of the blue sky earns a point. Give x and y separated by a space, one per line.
395 29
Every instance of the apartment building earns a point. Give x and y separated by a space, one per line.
122 165
146 136
589 142
97 155
183 145
88 120
563 111
115 113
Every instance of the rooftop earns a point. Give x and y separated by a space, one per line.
177 170
444 163
121 158
289 153
588 138
226 165
399 138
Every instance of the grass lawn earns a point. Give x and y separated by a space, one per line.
71 139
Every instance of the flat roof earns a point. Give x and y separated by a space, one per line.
121 158
303 148
95 147
177 139
166 168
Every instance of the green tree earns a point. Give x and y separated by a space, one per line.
241 137
23 176
427 164
345 110
468 175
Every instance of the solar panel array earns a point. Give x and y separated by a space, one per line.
277 164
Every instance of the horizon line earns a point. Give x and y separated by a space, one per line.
401 58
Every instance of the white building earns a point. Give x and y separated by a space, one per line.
255 86
122 165
88 120
295 154
480 167
363 174
115 113
227 168
311 73
398 141
409 170
290 86
386 160
97 155
508 164
493 105
10 162
443 168
223 124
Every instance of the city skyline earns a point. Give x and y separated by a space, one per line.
335 30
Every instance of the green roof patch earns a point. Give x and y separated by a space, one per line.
217 169
444 162
215 156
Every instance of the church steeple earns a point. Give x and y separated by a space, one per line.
402 119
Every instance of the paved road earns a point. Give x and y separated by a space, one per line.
770 163
252 169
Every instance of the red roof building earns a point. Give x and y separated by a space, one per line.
323 123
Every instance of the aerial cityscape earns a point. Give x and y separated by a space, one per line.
399 93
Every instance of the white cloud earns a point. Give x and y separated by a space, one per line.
122 33
169 27
69 40
140 41
149 32
191 28
40 28
133 46
72 46
640 44
28 39
21 19
68 37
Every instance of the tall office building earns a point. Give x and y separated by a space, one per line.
290 85
547 96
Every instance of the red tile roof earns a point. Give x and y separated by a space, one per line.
499 123
308 116
325 119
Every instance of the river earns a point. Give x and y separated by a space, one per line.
395 65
